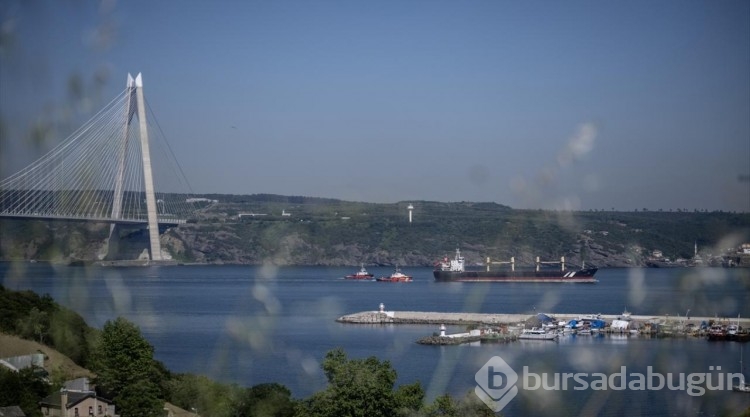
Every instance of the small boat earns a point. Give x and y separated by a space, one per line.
732 331
361 274
743 386
717 332
736 332
396 276
537 334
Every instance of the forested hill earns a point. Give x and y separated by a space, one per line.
263 228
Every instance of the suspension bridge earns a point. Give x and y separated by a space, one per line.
105 172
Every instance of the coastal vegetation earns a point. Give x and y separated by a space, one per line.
40 318
126 372
263 228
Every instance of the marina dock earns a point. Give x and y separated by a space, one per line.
425 317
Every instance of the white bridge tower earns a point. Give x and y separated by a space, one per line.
136 104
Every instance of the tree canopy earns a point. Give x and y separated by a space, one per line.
360 387
126 370
23 388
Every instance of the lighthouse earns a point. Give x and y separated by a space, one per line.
410 208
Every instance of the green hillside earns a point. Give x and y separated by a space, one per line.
284 230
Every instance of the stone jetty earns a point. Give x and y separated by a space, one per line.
424 317
502 328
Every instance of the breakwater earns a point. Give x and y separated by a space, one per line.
426 317
501 328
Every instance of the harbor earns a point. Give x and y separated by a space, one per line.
504 327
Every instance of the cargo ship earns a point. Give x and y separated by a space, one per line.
453 270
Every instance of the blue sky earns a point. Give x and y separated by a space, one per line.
533 104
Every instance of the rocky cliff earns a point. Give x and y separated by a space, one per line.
332 232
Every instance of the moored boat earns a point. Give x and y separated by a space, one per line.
396 276
454 270
361 274
743 386
732 331
736 332
717 332
537 334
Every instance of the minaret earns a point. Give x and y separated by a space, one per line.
410 208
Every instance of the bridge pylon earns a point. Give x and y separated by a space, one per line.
136 106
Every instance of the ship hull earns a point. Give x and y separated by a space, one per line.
579 276
662 264
386 279
360 277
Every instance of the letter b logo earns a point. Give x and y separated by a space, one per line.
496 383
493 376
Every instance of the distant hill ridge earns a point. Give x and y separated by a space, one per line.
297 230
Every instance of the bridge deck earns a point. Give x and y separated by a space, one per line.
20 216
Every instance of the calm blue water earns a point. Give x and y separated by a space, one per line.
259 324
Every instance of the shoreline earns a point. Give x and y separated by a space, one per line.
453 318
174 262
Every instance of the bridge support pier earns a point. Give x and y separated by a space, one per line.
127 243
113 243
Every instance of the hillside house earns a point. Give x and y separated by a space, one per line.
77 399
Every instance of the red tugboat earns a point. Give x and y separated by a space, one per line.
396 276
361 274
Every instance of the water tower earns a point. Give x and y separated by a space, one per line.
410 208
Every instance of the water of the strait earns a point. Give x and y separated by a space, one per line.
251 325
